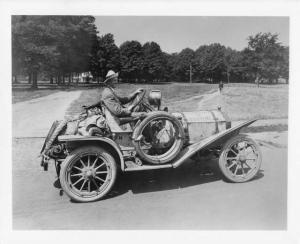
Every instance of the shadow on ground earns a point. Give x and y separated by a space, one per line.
191 174
187 175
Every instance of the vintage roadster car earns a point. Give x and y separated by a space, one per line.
90 149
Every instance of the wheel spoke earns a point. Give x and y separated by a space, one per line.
99 166
243 170
231 158
82 185
95 183
251 158
76 175
101 172
78 181
99 178
82 163
231 150
236 169
89 186
80 169
95 162
231 165
88 161
247 165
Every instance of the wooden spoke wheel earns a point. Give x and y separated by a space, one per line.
240 159
88 174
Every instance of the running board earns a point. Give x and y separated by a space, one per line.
135 167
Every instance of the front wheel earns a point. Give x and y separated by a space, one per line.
240 159
88 174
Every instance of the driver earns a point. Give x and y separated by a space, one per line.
116 102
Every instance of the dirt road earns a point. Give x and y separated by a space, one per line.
183 198
34 117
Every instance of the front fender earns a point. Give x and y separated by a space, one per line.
211 141
101 141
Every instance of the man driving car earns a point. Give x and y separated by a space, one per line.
116 102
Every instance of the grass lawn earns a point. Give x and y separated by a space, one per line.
240 101
25 95
175 95
249 102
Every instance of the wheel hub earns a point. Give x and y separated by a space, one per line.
242 158
89 173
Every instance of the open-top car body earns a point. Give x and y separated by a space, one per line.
89 150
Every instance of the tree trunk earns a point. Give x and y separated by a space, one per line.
69 80
51 79
228 76
63 79
30 78
34 81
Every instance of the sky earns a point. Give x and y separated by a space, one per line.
176 33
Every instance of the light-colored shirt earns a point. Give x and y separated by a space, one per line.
115 102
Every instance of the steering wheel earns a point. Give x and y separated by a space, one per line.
138 99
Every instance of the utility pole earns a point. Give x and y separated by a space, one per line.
191 74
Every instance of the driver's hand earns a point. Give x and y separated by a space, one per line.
139 90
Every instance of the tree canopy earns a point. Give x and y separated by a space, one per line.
61 46
131 60
56 45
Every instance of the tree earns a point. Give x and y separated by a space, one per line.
32 45
284 65
154 61
56 45
209 62
234 66
183 62
265 56
169 73
106 56
131 60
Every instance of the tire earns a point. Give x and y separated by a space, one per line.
240 164
171 153
88 174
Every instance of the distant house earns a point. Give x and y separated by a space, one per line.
84 77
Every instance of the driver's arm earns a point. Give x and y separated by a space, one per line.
117 109
127 99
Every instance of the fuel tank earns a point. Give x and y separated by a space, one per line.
199 125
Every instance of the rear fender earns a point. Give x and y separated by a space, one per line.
73 141
214 140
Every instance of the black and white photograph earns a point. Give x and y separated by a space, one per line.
150 121
170 123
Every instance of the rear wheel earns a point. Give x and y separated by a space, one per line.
88 174
240 159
